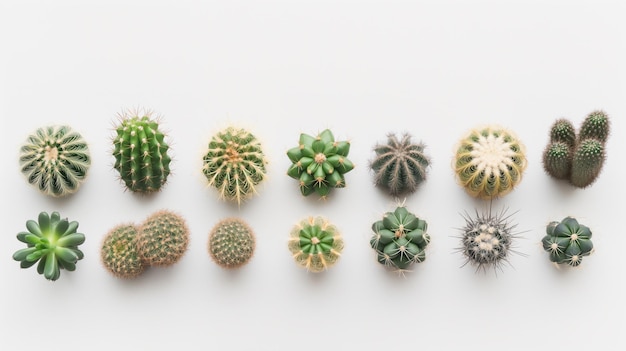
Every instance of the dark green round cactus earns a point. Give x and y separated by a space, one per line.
596 126
399 239
231 243
51 241
140 152
319 163
567 241
557 160
119 252
162 239
315 244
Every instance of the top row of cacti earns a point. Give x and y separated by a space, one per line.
489 161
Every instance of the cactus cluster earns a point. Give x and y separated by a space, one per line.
231 243
315 244
567 241
400 165
234 163
319 163
119 252
577 158
51 241
399 239
141 152
55 159
489 162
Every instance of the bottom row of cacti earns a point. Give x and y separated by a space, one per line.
399 240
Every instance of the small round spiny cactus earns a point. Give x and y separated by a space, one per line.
234 164
595 126
140 152
400 239
51 241
315 244
55 159
400 165
119 252
162 239
489 162
231 243
567 241
319 163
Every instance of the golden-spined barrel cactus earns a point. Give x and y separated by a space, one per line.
315 244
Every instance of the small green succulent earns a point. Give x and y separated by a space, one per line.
567 241
315 244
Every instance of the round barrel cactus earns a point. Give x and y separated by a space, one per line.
51 242
162 239
231 243
399 239
315 244
567 241
140 152
319 163
55 159
119 253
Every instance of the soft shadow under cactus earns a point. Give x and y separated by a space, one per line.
315 244
567 241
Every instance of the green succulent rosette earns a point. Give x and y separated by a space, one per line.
567 241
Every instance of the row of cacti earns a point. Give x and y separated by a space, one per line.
489 161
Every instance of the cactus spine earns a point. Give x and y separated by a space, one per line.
234 163
231 243
51 241
400 165
55 159
162 239
119 252
567 241
315 244
140 152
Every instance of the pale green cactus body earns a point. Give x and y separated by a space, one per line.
315 244
162 239
231 243
567 241
119 253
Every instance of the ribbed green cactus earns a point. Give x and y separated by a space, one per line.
55 159
489 162
315 244
234 164
231 243
51 241
140 152
162 239
399 239
400 166
119 253
319 163
567 241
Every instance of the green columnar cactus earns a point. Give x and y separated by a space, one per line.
119 252
587 162
140 152
315 244
51 241
557 160
55 159
231 243
234 164
595 126
162 239
489 162
563 131
400 165
400 239
319 163
567 241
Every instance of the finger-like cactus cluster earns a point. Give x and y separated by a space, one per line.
231 243
315 244
51 241
119 252
567 241
55 159
319 163
399 239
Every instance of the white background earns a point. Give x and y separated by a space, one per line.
362 68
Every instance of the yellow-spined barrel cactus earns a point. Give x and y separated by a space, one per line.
567 241
400 239
489 162
51 241
231 243
319 163
315 244
55 159
234 164
119 253
141 152
162 239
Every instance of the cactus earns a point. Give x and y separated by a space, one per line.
140 152
587 162
557 160
400 239
234 163
567 241
400 165
51 241
119 253
595 126
55 159
489 162
162 239
231 243
315 244
319 163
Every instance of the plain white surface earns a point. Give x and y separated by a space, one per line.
279 68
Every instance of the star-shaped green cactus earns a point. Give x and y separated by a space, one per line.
567 241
